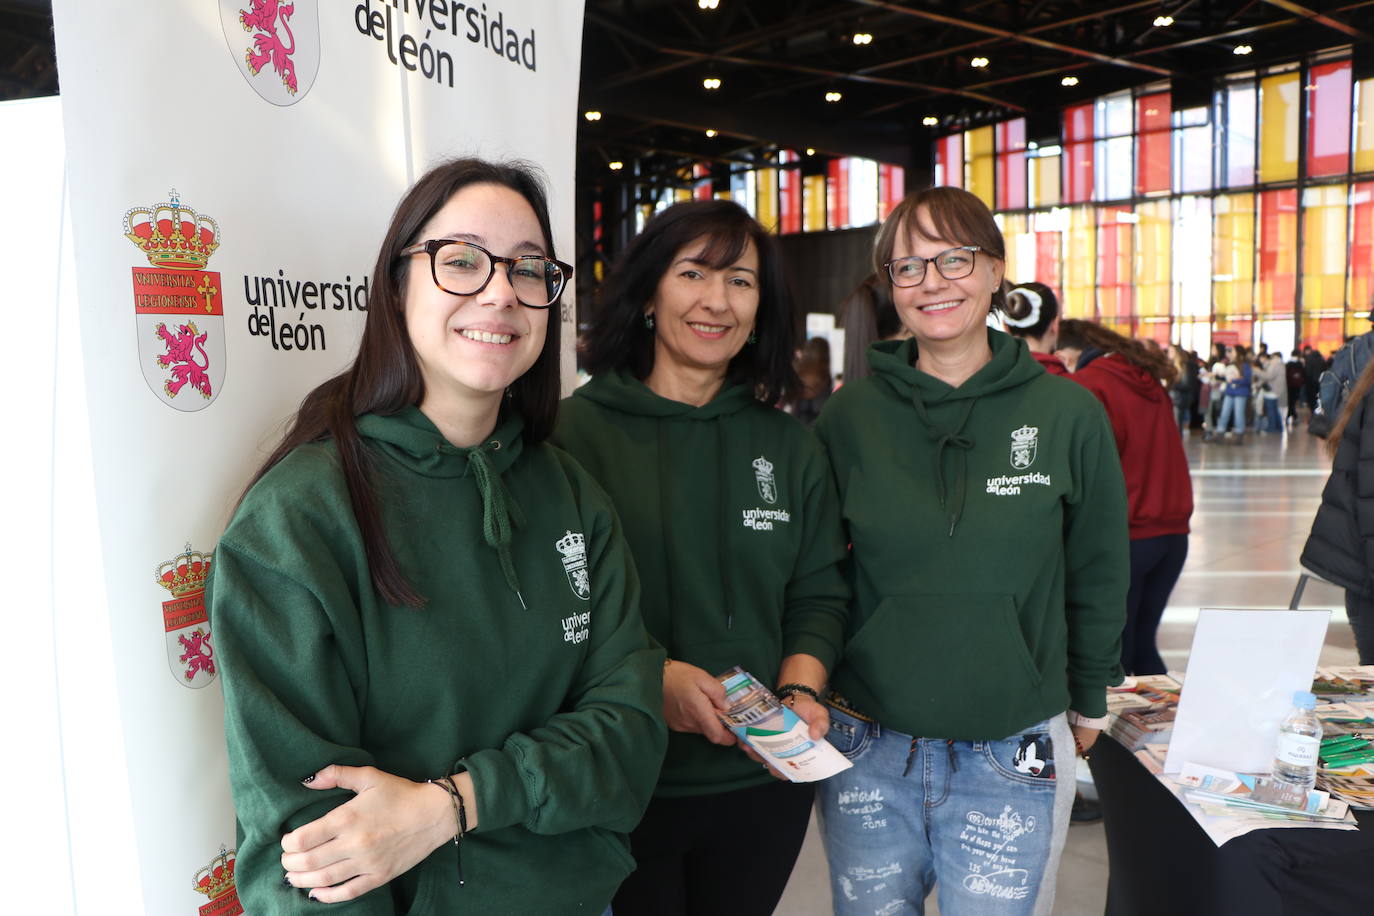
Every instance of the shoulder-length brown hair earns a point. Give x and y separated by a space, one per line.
1080 335
385 376
951 214
1353 399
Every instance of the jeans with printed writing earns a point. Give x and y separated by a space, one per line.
986 819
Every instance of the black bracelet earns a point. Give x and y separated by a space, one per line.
460 816
787 690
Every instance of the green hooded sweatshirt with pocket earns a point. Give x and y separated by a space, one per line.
731 513
990 558
528 666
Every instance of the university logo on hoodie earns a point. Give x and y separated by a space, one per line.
763 475
1023 446
573 547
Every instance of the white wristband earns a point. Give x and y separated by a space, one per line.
1082 721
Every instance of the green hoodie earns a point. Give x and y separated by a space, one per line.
733 520
554 707
990 557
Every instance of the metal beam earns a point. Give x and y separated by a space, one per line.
1000 32
1321 18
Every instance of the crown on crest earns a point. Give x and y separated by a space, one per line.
217 878
184 573
571 543
172 235
1024 435
763 465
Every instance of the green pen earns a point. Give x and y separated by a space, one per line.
1341 761
1337 745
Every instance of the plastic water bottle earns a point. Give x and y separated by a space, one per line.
1300 735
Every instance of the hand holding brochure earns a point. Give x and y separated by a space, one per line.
775 732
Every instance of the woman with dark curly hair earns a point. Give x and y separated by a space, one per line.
1132 381
732 515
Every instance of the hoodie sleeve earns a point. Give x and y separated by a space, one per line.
290 708
817 597
1097 567
595 763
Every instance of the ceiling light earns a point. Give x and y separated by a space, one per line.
863 38
833 96
810 151
708 4
1164 21
1242 49
978 63
710 132
711 82
930 121
615 165
592 115
1069 81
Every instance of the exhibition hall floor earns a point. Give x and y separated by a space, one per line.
1254 507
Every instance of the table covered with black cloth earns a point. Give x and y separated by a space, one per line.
1163 864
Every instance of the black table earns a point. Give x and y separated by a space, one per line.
1163 864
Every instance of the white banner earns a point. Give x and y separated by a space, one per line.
231 168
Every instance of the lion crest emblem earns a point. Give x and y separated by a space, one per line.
1023 447
279 55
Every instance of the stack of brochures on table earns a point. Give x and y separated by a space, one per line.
1224 793
1141 711
1339 681
1346 768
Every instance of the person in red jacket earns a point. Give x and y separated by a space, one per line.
1032 314
1132 381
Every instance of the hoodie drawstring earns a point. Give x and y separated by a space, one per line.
723 533
951 502
498 521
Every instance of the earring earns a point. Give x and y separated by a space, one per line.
648 321
753 338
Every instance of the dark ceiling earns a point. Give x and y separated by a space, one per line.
643 62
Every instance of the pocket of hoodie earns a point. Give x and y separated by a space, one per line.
945 660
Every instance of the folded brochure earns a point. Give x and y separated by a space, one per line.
775 732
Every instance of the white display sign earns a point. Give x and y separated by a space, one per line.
231 169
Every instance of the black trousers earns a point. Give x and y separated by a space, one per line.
1155 565
716 854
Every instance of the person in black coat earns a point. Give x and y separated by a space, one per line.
1340 548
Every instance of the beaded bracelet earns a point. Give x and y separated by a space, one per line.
460 816
787 690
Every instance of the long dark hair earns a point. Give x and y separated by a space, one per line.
617 337
1080 335
385 376
1353 400
867 315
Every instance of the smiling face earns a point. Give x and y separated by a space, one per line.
470 348
703 315
939 311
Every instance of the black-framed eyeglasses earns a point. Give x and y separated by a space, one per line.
465 269
952 264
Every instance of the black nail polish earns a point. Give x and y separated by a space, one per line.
286 881
308 780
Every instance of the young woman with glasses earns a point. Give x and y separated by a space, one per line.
987 516
730 511
439 693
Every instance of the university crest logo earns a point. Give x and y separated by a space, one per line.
189 652
573 547
216 881
178 308
1023 446
763 476
275 44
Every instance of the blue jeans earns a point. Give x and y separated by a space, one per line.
1272 422
1233 406
986 819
